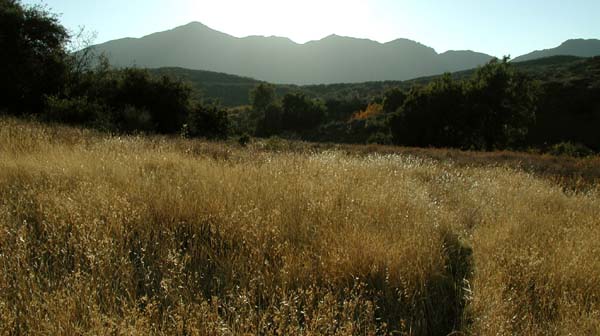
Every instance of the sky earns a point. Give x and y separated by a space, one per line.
498 28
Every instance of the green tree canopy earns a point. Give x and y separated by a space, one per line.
492 109
262 96
33 58
300 112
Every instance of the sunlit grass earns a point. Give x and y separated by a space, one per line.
139 235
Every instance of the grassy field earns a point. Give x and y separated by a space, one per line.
151 235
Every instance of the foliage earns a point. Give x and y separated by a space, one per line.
134 119
77 110
393 99
492 109
132 100
504 102
33 61
372 110
295 113
264 118
262 96
40 77
244 139
433 115
300 113
570 149
208 121
342 109
271 121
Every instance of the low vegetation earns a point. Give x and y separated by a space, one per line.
144 235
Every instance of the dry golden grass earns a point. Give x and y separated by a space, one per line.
151 235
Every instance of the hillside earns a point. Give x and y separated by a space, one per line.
280 60
230 90
233 90
576 47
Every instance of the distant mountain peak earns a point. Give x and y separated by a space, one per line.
336 37
194 25
573 47
403 40
579 41
407 43
330 36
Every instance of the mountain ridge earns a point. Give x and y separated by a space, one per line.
278 59
332 59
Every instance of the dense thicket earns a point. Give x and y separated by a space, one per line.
569 105
492 109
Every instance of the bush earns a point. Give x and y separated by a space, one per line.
76 110
301 113
244 140
433 115
271 122
132 119
571 149
209 121
380 138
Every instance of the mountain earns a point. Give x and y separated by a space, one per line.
334 59
577 47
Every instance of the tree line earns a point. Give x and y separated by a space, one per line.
496 107
493 109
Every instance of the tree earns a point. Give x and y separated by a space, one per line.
300 112
262 96
493 109
393 100
432 115
503 101
33 58
271 122
209 121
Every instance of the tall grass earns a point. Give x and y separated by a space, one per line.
148 235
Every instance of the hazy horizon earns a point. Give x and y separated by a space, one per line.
490 27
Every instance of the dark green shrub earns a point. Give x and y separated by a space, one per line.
493 109
380 138
571 149
33 59
208 121
76 110
244 140
271 122
301 113
133 119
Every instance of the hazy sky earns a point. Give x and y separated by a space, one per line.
495 27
